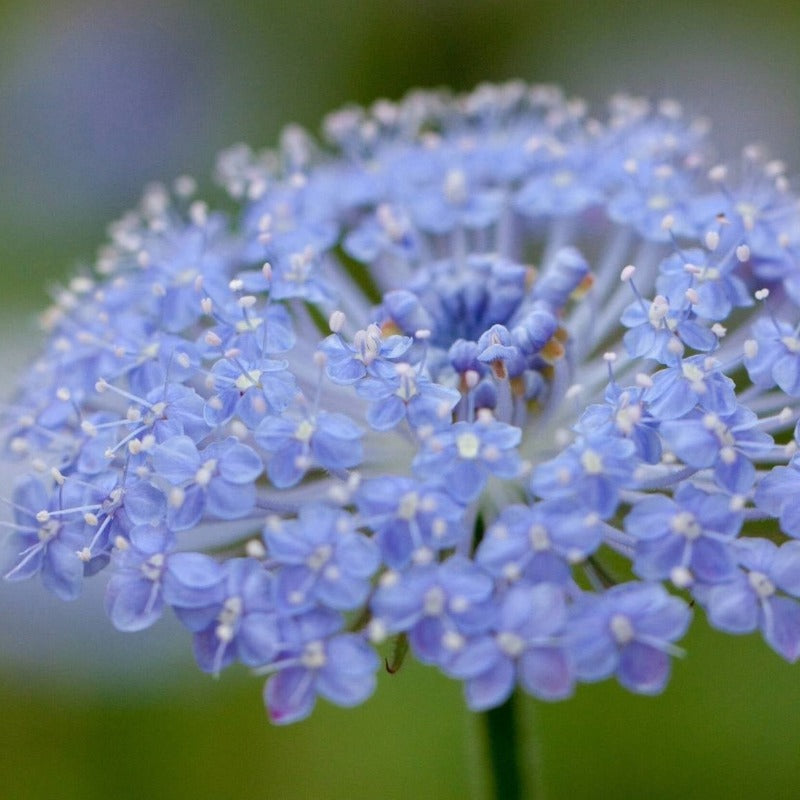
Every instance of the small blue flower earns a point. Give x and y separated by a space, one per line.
463 456
772 357
711 282
369 354
315 660
539 543
590 473
241 626
725 443
685 538
134 595
627 632
696 381
410 519
624 413
302 442
526 645
436 605
776 494
406 395
249 389
46 545
322 560
753 599
219 479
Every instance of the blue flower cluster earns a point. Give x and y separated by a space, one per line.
422 391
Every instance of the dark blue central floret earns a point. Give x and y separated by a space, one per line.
457 299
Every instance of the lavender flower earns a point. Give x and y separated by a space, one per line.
419 388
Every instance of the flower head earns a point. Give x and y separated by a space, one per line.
418 388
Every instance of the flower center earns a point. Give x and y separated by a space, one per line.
468 445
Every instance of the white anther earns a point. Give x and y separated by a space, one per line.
236 284
176 497
377 632
206 305
562 437
609 357
718 330
90 519
184 186
681 577
621 629
718 173
313 656
42 516
63 394
212 339
675 346
762 294
255 549
743 253
433 601
712 240
468 445
336 321
592 462
198 213
727 455
668 222
627 273
266 271
761 584
455 186
388 579
692 296
18 446
643 380
485 415
512 644
247 301
89 428
659 309
422 556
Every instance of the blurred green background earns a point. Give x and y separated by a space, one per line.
98 97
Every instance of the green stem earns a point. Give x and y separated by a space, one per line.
503 752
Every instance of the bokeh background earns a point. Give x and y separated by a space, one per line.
98 97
